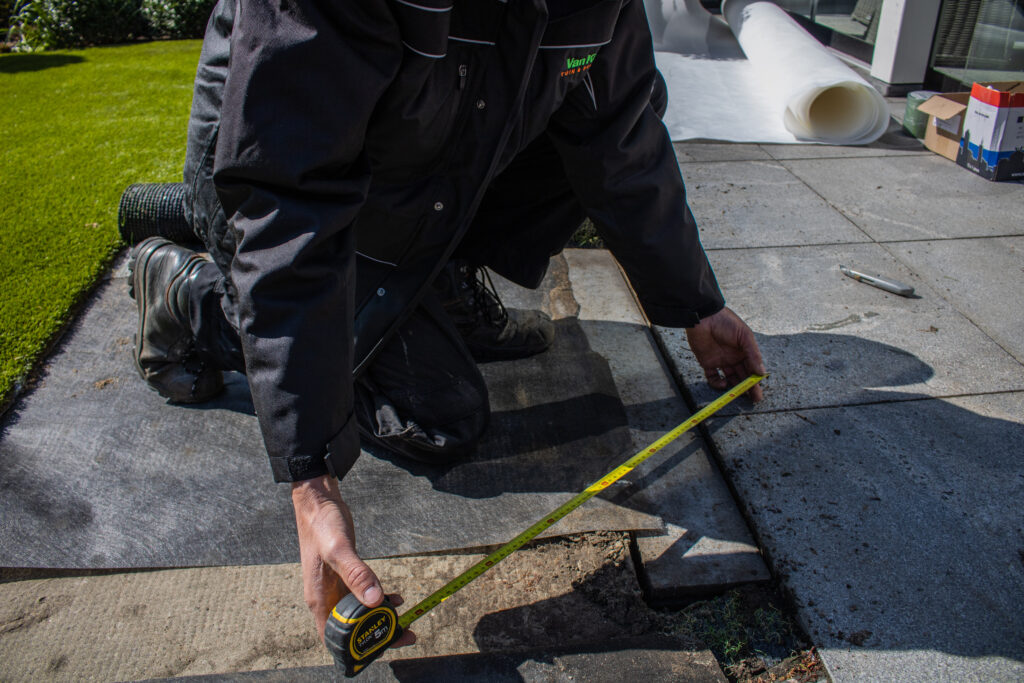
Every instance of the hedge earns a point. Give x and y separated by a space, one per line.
57 24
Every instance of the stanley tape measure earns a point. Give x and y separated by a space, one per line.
356 634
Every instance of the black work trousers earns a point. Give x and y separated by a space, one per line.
422 395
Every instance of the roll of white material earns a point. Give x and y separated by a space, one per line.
757 77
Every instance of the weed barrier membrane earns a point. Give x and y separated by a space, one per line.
753 74
97 471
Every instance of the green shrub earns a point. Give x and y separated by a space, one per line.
6 10
177 18
53 24
56 24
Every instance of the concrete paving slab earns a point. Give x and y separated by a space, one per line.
829 340
982 278
702 152
896 198
556 426
137 485
897 528
658 658
183 622
894 142
761 204
854 665
706 544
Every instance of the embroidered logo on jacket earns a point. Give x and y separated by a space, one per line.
577 65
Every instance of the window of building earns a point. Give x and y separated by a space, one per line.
978 40
849 26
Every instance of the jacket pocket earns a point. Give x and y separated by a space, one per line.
384 235
416 118
572 41
590 27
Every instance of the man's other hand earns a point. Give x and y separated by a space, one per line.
727 351
327 545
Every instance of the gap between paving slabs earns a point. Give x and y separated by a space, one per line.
706 545
710 564
753 628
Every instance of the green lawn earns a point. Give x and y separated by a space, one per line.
79 126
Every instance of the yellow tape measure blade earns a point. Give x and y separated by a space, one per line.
549 520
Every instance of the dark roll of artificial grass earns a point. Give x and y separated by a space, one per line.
154 210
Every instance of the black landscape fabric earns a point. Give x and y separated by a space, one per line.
98 471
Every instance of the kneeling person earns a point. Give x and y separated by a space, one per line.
352 168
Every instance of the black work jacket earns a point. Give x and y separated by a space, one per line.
374 127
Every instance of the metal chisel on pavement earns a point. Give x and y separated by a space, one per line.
885 283
356 634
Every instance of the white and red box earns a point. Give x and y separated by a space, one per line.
992 143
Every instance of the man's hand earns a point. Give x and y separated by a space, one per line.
327 544
727 351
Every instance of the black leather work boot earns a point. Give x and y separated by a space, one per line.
491 331
165 356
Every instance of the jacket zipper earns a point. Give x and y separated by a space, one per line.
461 112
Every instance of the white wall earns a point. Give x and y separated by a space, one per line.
905 32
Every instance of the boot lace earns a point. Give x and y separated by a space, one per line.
483 296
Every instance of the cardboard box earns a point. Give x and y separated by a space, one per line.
992 143
945 122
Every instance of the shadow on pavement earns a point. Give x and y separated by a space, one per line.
893 517
653 657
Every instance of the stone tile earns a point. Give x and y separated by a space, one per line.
914 197
706 542
829 340
982 278
691 151
857 665
897 529
759 204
